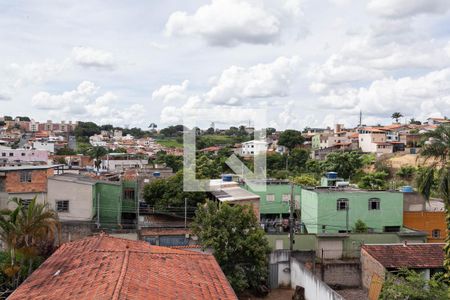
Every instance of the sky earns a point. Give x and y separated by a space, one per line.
304 62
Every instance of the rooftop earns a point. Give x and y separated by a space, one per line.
29 167
103 267
417 256
234 194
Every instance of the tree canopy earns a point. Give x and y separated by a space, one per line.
346 164
291 138
237 241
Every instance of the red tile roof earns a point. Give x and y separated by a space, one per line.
416 256
104 267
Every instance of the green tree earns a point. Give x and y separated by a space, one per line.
97 153
237 241
24 230
86 129
207 168
291 138
346 164
297 159
305 180
436 177
396 116
168 193
65 151
360 227
408 284
406 172
373 181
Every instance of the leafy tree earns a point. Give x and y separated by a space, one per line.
7 118
270 131
373 181
345 164
396 116
315 166
23 119
291 138
414 122
237 241
107 127
2 123
97 153
436 177
65 151
297 159
306 180
408 284
207 168
24 230
168 193
86 129
406 172
360 227
170 160
275 162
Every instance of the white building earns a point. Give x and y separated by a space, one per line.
47 146
254 147
373 140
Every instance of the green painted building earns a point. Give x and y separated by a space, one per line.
329 210
274 202
115 204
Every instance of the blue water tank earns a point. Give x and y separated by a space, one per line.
331 175
156 174
227 178
407 189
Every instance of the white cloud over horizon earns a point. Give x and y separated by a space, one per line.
310 63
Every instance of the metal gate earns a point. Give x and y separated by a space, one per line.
273 276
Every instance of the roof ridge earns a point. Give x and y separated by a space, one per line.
123 271
151 252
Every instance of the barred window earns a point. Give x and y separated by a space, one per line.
342 204
25 176
374 204
62 205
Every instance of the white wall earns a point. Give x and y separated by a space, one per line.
315 289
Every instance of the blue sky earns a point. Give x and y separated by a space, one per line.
307 62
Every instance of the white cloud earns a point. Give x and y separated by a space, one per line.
420 97
171 93
90 57
35 72
84 102
407 8
4 96
229 22
259 81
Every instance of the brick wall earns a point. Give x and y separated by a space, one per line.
38 182
369 267
254 203
342 274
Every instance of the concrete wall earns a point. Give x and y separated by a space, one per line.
278 206
369 267
75 231
342 274
80 196
23 155
427 221
315 289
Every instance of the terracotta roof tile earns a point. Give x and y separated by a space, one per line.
416 256
104 267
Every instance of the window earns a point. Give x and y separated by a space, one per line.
128 193
342 204
25 176
3 154
270 197
286 197
23 153
391 228
374 204
11 154
62 205
436 233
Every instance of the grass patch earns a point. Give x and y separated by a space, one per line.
170 143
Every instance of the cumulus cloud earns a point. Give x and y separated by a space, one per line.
407 8
86 102
90 57
258 81
230 22
35 72
171 93
421 96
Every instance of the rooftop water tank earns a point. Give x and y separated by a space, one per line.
407 189
156 174
331 175
227 178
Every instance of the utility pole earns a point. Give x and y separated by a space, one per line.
291 219
185 212
346 217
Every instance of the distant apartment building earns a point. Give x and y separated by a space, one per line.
50 126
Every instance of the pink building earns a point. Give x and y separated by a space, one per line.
23 155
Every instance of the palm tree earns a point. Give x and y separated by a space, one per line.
152 126
435 179
396 116
24 229
96 153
